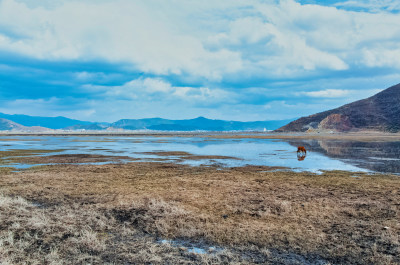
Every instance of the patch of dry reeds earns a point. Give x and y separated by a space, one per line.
252 213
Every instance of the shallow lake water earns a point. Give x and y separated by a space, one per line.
321 155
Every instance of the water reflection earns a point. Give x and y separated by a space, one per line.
375 156
301 153
301 157
324 155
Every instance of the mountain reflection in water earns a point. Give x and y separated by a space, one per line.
324 155
375 156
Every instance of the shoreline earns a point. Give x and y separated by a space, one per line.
356 136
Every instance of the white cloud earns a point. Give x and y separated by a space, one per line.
290 39
371 5
207 39
117 31
247 57
135 88
350 95
381 57
154 88
327 93
204 94
149 85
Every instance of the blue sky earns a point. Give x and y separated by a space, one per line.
103 60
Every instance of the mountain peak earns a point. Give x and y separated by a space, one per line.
200 118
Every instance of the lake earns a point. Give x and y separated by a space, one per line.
379 156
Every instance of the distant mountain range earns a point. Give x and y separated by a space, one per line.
48 122
380 112
32 123
199 123
10 125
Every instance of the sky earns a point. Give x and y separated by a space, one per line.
104 60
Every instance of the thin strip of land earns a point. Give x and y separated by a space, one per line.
356 136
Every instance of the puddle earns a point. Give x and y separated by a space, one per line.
274 255
21 167
191 247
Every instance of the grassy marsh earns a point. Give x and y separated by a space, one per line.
118 213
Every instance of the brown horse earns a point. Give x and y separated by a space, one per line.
301 149
301 153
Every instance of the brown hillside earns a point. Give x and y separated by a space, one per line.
379 112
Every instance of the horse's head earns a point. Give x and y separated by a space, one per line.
301 149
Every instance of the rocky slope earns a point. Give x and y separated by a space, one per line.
380 112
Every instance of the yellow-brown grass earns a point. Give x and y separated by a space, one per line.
333 217
76 234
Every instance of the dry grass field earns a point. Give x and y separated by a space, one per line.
159 213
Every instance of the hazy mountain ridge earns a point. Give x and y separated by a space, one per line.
7 125
380 112
48 122
199 123
34 123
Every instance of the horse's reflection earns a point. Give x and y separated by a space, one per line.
301 153
301 157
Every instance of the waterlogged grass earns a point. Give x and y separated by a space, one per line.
26 152
119 213
6 170
17 156
39 157
186 156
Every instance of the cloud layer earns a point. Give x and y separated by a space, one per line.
179 59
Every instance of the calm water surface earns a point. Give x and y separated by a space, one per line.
322 155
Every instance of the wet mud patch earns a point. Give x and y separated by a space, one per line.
254 168
187 156
27 152
71 159
13 156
